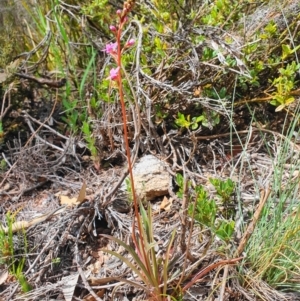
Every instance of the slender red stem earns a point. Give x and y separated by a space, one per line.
124 117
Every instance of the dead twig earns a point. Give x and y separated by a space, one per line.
19 225
263 198
222 290
206 270
44 81
7 95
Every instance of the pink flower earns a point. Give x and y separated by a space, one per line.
111 48
113 73
119 12
113 28
130 43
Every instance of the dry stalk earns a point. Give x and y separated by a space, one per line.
7 94
263 198
206 270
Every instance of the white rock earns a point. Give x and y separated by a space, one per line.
151 178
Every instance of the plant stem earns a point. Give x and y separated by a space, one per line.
124 117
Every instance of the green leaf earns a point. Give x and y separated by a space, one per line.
198 119
166 263
194 126
286 51
26 287
86 72
141 271
225 230
86 128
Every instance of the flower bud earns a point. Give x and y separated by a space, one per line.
113 28
130 43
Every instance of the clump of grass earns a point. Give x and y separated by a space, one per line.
15 263
154 272
273 249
